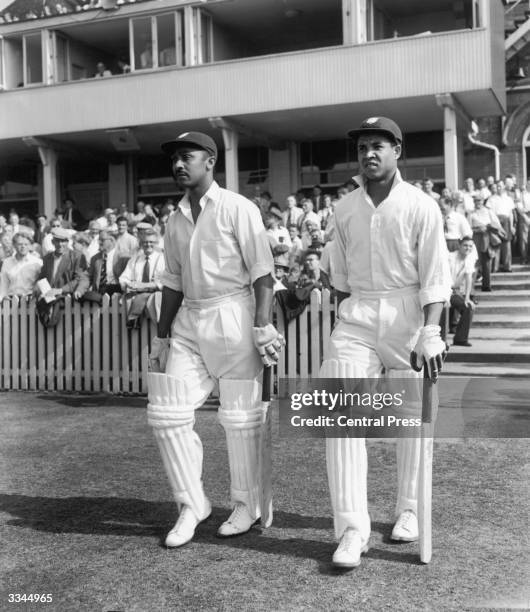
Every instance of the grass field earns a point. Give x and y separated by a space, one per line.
84 508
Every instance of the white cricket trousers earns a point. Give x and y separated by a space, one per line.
373 338
211 343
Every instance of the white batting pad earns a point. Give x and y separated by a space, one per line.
241 414
180 447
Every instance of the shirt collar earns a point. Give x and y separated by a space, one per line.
361 180
212 195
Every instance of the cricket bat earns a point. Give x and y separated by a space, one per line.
425 473
265 452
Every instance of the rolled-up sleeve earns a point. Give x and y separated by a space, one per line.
171 277
253 241
433 256
340 271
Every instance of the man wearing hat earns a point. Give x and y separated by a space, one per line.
66 272
212 332
392 280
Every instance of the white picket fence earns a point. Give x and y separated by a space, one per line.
91 350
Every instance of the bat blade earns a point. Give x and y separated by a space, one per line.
265 454
425 473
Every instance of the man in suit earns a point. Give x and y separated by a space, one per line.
72 218
105 269
65 271
292 213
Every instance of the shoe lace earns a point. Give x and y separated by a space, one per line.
405 519
347 539
238 512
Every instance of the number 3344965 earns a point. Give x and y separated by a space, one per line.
30 597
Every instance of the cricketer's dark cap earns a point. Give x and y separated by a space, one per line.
378 125
195 139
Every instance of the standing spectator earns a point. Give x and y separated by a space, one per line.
279 239
482 189
456 226
523 223
316 197
14 223
312 276
427 187
19 271
462 265
3 225
126 244
292 213
326 212
112 225
141 281
140 211
42 229
105 269
65 272
504 208
72 218
483 221
468 193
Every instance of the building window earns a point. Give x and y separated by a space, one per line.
33 72
169 29
142 44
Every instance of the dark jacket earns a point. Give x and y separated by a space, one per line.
71 274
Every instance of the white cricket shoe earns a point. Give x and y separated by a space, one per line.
238 522
406 527
184 528
348 553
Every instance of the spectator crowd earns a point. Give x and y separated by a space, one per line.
122 251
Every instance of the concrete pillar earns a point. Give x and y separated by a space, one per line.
231 140
451 148
190 37
117 185
49 157
283 172
354 22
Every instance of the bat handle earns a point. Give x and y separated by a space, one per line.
266 386
426 404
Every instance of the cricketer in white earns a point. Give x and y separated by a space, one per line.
392 279
216 251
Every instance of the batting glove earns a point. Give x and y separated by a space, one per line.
159 354
429 350
269 343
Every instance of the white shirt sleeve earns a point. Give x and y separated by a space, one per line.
433 261
171 277
252 239
340 277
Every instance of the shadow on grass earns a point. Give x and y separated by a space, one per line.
139 518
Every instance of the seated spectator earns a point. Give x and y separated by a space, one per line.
105 269
93 234
3 225
123 211
101 71
140 281
80 243
126 244
292 213
112 218
140 214
150 215
6 245
279 239
48 245
64 273
19 271
462 264
123 66
482 189
312 277
456 226
296 250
